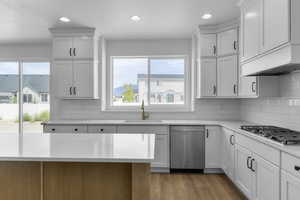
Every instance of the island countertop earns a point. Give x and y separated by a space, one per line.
118 148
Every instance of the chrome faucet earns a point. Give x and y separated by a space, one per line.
145 115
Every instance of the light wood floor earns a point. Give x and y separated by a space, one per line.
193 187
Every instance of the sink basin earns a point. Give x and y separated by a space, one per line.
143 121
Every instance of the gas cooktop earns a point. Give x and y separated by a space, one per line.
281 135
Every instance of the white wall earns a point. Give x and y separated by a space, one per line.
283 111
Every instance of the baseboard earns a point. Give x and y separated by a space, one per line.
160 170
213 171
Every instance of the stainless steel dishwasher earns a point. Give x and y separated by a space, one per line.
187 148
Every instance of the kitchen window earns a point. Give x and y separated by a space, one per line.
24 96
161 82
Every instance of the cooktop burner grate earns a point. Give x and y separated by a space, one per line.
282 135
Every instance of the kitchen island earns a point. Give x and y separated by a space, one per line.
75 166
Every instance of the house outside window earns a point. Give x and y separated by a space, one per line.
44 97
135 79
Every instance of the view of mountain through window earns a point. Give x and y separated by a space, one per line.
154 80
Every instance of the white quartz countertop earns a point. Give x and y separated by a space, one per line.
232 125
131 148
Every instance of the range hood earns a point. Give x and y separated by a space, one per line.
277 62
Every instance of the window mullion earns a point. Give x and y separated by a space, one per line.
20 97
149 75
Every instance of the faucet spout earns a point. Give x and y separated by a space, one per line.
144 114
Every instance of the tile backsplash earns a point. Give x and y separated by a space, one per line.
282 111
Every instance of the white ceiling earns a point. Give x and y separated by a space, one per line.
29 20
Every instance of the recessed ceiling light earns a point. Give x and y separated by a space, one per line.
206 16
135 18
64 19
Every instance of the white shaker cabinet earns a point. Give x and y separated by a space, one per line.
275 23
290 186
208 45
75 63
227 74
265 180
243 173
212 147
207 77
228 154
251 17
227 42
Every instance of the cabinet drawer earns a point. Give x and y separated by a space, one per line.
65 129
291 164
163 130
102 129
265 151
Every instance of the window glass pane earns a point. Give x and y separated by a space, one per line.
167 81
130 81
9 107
36 107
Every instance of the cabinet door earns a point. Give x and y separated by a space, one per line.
62 48
63 79
83 47
243 175
208 77
266 180
227 42
228 153
290 186
83 79
251 21
212 147
248 86
161 156
275 23
227 76
208 44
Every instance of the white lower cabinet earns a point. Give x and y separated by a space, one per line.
228 157
243 173
256 177
290 186
212 147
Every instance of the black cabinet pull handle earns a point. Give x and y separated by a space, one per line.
215 50
234 89
297 168
253 86
70 90
251 164
74 51
234 45
215 90
207 133
231 139
76 129
70 51
53 129
248 164
74 90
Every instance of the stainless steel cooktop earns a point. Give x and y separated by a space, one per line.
281 135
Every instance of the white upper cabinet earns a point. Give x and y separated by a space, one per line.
275 23
208 45
251 16
227 42
213 147
227 75
75 63
248 86
83 47
62 47
207 77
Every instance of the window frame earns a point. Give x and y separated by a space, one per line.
186 107
20 61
